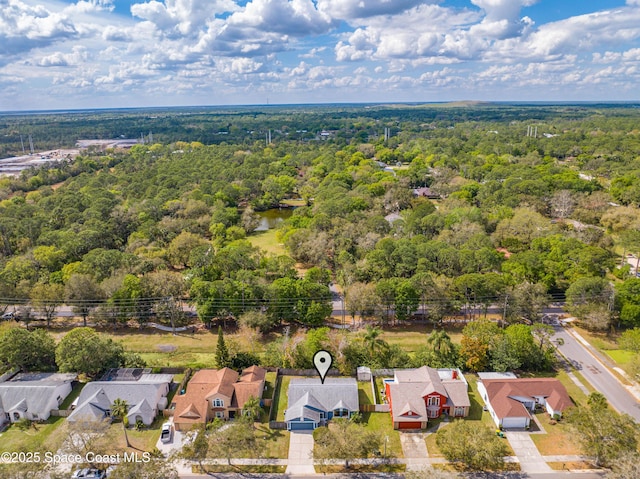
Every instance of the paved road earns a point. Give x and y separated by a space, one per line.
599 376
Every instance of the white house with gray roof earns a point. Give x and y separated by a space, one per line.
33 395
146 394
312 403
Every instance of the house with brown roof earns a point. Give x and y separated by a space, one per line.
511 400
415 395
216 393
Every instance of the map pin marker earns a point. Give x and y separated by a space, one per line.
322 360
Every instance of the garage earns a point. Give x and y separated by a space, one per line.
515 422
409 425
301 425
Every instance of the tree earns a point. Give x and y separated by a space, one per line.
27 350
630 340
223 359
196 446
474 353
474 447
82 350
345 440
237 439
153 469
603 433
252 409
526 301
119 410
46 298
84 294
373 342
626 466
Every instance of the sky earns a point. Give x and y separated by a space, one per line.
61 54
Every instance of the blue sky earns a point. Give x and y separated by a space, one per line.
59 54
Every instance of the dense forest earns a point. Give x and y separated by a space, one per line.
439 210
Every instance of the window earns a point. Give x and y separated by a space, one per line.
220 414
433 401
459 411
341 413
217 402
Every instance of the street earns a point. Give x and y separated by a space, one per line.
599 376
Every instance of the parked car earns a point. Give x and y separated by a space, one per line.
89 473
167 432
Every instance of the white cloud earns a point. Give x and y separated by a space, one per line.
357 9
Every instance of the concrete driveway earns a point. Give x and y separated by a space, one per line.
300 453
531 461
414 449
175 445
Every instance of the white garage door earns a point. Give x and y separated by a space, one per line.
514 422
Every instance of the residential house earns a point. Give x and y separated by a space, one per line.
213 393
145 394
511 400
415 395
33 395
313 403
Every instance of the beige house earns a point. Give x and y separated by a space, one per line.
216 393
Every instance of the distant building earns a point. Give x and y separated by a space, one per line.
426 192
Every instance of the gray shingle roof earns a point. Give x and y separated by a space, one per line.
335 393
101 394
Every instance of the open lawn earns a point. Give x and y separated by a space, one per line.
40 437
621 356
414 336
380 422
266 240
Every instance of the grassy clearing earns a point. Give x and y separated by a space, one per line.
380 422
413 337
266 240
40 437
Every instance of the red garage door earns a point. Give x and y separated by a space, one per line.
409 425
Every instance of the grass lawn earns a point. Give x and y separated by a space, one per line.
275 441
266 240
41 437
414 336
280 400
75 392
380 422
621 356
361 469
221 469
365 394
558 440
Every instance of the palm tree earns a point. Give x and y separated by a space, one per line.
119 410
373 342
440 342
252 409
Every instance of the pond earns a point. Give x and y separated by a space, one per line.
270 219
